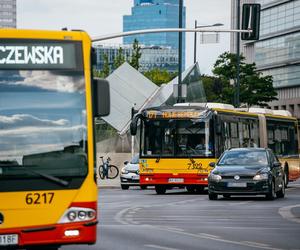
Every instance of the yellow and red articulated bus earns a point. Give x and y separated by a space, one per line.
178 143
48 99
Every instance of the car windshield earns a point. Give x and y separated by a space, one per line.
249 158
135 159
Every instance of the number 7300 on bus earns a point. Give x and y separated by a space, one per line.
48 99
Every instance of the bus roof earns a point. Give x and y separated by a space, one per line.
43 34
196 110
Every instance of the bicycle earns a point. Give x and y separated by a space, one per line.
107 170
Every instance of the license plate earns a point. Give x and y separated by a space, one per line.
135 177
237 184
9 239
176 180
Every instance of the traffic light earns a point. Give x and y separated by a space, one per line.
251 21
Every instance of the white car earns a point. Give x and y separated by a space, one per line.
130 173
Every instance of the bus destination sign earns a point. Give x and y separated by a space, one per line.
37 55
153 114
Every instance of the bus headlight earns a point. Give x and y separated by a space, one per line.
76 214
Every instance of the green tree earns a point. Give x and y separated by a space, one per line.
255 89
106 70
119 59
136 55
159 76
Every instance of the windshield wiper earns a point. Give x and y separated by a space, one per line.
189 155
45 176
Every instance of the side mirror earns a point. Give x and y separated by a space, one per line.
212 164
276 164
101 97
134 124
126 162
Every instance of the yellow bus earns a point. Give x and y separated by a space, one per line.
48 190
178 143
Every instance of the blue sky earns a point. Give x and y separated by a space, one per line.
100 17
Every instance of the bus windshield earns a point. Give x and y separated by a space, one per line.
42 124
177 138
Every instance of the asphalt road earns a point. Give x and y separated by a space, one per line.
140 219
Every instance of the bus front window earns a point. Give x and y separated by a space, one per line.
177 138
42 125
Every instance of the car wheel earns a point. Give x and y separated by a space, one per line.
124 187
160 189
281 192
212 196
227 196
286 177
271 195
143 187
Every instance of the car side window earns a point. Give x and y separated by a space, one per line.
273 157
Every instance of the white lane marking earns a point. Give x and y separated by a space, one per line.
256 243
160 247
286 213
222 240
210 235
240 203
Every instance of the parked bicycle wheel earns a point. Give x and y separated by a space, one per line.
113 172
101 172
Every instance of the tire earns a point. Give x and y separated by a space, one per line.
271 195
199 189
212 196
191 189
101 172
227 196
160 189
281 192
143 187
112 172
125 187
286 177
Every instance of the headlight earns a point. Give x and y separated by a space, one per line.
124 171
260 177
215 177
76 214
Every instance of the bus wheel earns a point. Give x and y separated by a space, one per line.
160 189
190 189
199 189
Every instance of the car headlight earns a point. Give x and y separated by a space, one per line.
124 171
215 177
261 177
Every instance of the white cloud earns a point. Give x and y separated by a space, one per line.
46 80
24 120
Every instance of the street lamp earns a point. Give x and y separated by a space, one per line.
195 37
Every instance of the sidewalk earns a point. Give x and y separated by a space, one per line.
108 183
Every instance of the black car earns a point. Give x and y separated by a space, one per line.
247 171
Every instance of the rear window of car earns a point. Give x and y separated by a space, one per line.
244 158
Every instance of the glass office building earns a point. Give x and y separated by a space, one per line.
152 57
154 14
277 52
8 13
